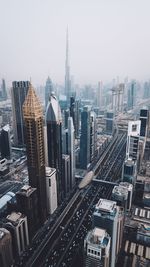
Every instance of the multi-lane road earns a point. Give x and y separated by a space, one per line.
64 238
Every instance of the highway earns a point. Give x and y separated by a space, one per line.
75 231
64 237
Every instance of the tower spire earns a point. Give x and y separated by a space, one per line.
67 68
67 49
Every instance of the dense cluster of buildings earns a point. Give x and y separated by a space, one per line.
62 136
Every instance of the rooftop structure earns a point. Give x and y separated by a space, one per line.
105 205
26 190
53 112
120 193
15 217
97 248
32 107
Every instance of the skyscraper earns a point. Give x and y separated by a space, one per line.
54 140
93 136
85 138
51 189
72 109
33 116
144 122
6 256
5 144
129 171
67 71
106 217
133 139
77 118
19 92
3 90
27 202
66 174
109 122
48 90
97 248
99 95
69 148
18 227
131 95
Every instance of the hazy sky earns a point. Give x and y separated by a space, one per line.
107 38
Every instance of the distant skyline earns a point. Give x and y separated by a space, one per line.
107 38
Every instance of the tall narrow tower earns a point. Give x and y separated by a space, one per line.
18 93
54 141
33 117
48 90
67 71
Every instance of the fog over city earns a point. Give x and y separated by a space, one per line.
106 39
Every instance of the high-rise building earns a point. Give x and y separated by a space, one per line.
66 181
130 193
129 171
85 138
6 256
27 203
18 227
3 90
117 98
5 143
99 95
93 136
97 248
146 90
105 216
109 122
45 146
72 109
74 113
133 139
66 116
131 101
120 195
144 122
54 141
19 92
69 149
48 90
77 118
51 190
33 117
67 72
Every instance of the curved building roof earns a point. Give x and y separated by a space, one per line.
53 112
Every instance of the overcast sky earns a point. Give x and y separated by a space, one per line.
107 38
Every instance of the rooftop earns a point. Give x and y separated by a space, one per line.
6 128
14 217
32 107
26 190
50 171
127 185
120 191
98 237
106 205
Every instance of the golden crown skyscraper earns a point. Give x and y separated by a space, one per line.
33 117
